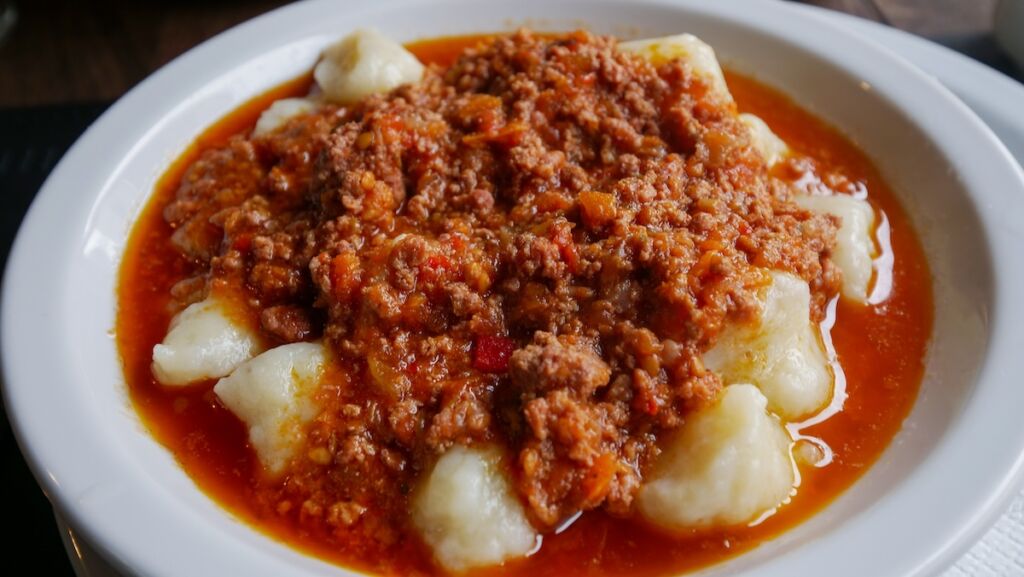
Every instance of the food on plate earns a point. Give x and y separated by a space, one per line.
272 394
698 56
855 251
204 341
467 512
280 112
525 304
363 63
771 147
780 351
727 464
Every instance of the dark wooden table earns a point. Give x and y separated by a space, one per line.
65 61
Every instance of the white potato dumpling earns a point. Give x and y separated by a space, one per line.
273 395
466 511
855 250
728 464
203 342
771 147
780 352
688 47
281 111
363 63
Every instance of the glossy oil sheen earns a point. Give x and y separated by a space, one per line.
880 347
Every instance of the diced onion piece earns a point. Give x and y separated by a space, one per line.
688 47
781 352
728 464
279 112
272 395
363 63
203 342
771 147
466 512
855 250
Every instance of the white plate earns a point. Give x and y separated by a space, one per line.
893 512
999 101
995 97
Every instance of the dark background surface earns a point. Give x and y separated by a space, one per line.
64 62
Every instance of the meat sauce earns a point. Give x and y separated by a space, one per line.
880 347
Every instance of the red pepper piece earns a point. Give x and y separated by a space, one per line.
491 353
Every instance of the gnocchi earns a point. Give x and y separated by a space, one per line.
855 249
781 353
363 63
280 112
771 147
272 395
698 54
203 342
466 511
728 464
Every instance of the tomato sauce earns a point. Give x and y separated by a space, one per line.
881 349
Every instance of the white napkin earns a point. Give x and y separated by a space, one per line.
1000 553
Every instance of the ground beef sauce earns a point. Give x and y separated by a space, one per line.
532 247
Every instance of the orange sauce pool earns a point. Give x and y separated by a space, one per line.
880 347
